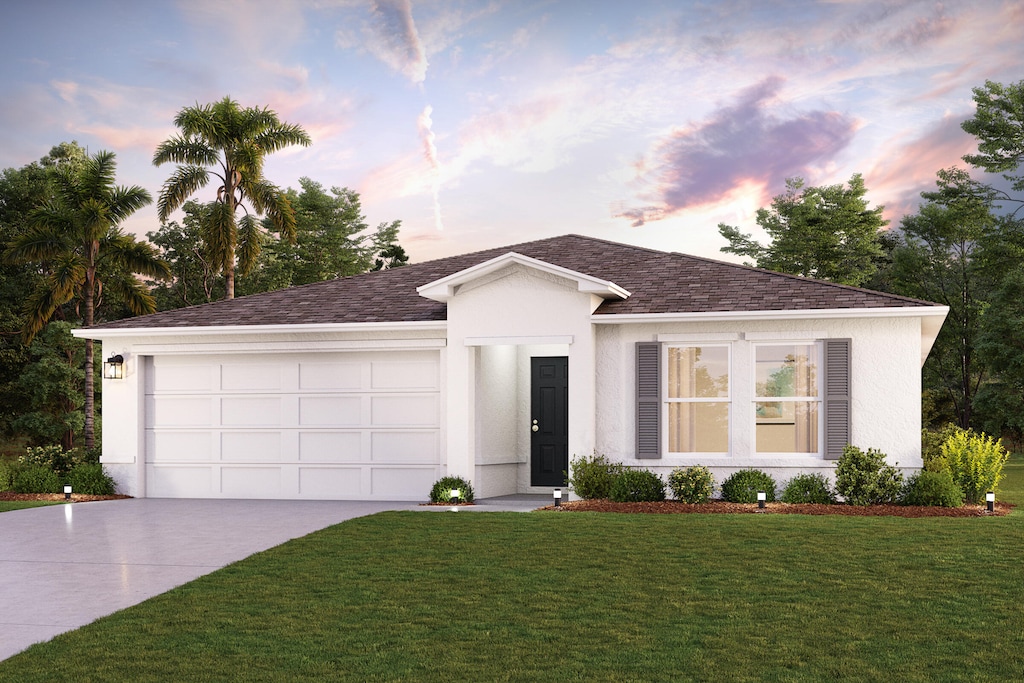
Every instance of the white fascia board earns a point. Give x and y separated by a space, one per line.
223 330
444 289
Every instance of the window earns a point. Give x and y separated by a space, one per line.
697 399
787 404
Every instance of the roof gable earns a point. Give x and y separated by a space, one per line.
639 281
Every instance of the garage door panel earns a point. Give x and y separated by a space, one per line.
391 375
409 410
405 447
251 446
180 411
251 377
240 412
251 482
330 447
191 377
330 411
179 482
395 482
333 482
179 446
330 376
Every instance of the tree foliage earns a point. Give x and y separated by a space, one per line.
234 141
826 232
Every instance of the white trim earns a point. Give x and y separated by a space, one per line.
517 341
188 349
819 399
802 314
221 330
798 336
666 400
723 337
444 289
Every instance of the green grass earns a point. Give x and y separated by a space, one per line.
8 505
569 596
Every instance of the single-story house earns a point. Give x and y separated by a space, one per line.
500 366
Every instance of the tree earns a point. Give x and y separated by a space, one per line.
74 239
236 141
943 259
998 123
194 278
822 232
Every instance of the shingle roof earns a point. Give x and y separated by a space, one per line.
659 282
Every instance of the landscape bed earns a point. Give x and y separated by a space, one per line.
713 507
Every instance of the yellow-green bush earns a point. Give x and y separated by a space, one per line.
975 462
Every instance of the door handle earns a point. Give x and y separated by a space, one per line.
535 427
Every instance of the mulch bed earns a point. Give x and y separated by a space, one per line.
75 497
716 506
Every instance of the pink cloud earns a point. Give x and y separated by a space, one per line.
395 39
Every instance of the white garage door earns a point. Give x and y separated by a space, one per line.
350 426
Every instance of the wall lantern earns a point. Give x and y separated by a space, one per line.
761 496
990 501
558 498
113 367
67 491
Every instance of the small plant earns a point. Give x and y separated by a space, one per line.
90 479
933 489
931 446
633 486
975 462
691 484
34 479
441 492
864 478
742 486
593 477
808 488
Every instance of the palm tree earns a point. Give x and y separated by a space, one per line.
82 253
236 140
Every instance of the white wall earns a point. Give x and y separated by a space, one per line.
885 385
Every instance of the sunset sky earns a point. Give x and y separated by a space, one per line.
479 124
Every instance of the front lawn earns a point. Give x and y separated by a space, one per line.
8 505
557 596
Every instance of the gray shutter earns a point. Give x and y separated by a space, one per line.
648 400
837 397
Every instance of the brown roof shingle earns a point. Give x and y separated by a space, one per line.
659 282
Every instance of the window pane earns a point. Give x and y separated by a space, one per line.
786 370
787 426
698 372
698 427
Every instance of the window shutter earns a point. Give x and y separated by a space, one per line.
648 400
837 397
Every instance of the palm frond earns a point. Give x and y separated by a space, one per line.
41 242
282 135
124 201
126 252
250 243
219 233
182 184
185 150
271 201
56 290
135 294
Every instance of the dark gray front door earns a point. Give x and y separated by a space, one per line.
549 400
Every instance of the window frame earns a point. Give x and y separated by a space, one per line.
665 400
819 398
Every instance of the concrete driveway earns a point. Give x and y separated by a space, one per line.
64 566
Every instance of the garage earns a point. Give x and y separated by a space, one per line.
329 425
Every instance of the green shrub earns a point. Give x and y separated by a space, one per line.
742 486
51 457
441 492
6 471
593 477
932 489
691 484
34 479
90 479
975 461
931 446
808 488
633 486
864 478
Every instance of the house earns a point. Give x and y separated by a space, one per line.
501 365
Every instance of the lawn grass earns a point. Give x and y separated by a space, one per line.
576 596
8 505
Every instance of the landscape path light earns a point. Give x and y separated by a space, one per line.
455 496
990 501
558 498
67 491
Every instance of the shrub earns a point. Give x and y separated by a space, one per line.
6 470
742 486
442 490
808 488
692 484
975 461
864 478
633 486
933 489
90 479
51 457
593 477
931 446
34 479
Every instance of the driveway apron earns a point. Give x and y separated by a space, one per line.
64 566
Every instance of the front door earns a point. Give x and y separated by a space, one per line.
549 401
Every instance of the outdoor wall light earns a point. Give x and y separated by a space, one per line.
558 498
67 491
761 497
990 501
113 367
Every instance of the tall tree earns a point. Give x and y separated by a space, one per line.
826 232
235 141
74 239
998 123
194 276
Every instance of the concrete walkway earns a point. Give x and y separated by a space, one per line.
64 566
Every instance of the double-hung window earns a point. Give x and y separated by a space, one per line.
787 403
697 398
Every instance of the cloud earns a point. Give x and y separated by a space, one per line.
701 163
425 126
392 37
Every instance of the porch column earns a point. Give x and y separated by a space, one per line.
460 408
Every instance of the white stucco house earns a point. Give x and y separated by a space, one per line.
500 366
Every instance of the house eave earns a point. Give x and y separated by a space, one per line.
224 330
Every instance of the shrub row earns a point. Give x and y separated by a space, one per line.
25 477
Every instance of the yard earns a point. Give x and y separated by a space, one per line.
583 596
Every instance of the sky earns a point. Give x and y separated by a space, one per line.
484 123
